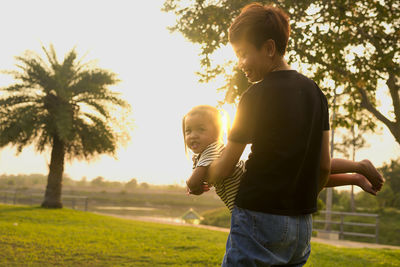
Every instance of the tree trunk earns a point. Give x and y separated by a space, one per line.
52 198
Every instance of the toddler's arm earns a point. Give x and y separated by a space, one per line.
195 182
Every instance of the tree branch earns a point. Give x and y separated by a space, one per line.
365 103
394 92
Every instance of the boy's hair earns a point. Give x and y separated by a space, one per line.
257 23
213 115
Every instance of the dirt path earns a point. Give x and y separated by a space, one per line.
337 243
352 244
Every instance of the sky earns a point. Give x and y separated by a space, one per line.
157 73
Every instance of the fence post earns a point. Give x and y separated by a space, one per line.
15 197
341 235
377 229
328 219
86 204
5 197
73 203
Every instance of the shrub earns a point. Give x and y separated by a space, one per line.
219 217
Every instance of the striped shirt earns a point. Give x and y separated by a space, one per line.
226 189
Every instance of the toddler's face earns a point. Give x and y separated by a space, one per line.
199 132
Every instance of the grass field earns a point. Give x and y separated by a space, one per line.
150 202
31 236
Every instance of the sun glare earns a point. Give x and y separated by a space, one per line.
227 114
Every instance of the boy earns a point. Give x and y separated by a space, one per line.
284 115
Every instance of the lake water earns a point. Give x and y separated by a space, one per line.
124 208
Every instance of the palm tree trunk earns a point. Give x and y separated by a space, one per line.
52 198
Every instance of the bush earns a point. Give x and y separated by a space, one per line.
219 217
366 201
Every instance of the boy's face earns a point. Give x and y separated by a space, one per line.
199 132
255 63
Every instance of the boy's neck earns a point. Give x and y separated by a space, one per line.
280 64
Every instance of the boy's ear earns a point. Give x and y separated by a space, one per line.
269 48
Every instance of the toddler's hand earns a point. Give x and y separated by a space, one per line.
195 192
206 187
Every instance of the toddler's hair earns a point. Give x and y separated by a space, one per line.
212 113
257 23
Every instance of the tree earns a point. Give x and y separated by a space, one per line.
98 182
351 143
63 106
132 184
390 196
353 43
144 185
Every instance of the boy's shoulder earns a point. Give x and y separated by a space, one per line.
253 90
274 81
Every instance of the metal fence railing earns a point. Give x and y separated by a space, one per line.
34 198
345 224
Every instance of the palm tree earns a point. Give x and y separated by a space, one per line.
63 106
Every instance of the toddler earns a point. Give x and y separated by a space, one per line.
202 131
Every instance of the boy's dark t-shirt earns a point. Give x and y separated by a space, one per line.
283 117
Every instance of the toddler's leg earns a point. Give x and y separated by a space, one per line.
364 167
343 166
371 173
351 179
365 185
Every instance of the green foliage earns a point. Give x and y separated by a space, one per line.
144 185
66 106
366 201
24 181
28 233
390 195
132 184
352 42
344 200
218 217
335 196
98 182
389 226
68 100
320 204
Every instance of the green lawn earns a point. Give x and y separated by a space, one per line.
31 236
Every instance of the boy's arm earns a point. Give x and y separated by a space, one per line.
325 163
195 182
224 166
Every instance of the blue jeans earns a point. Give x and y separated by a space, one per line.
262 239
